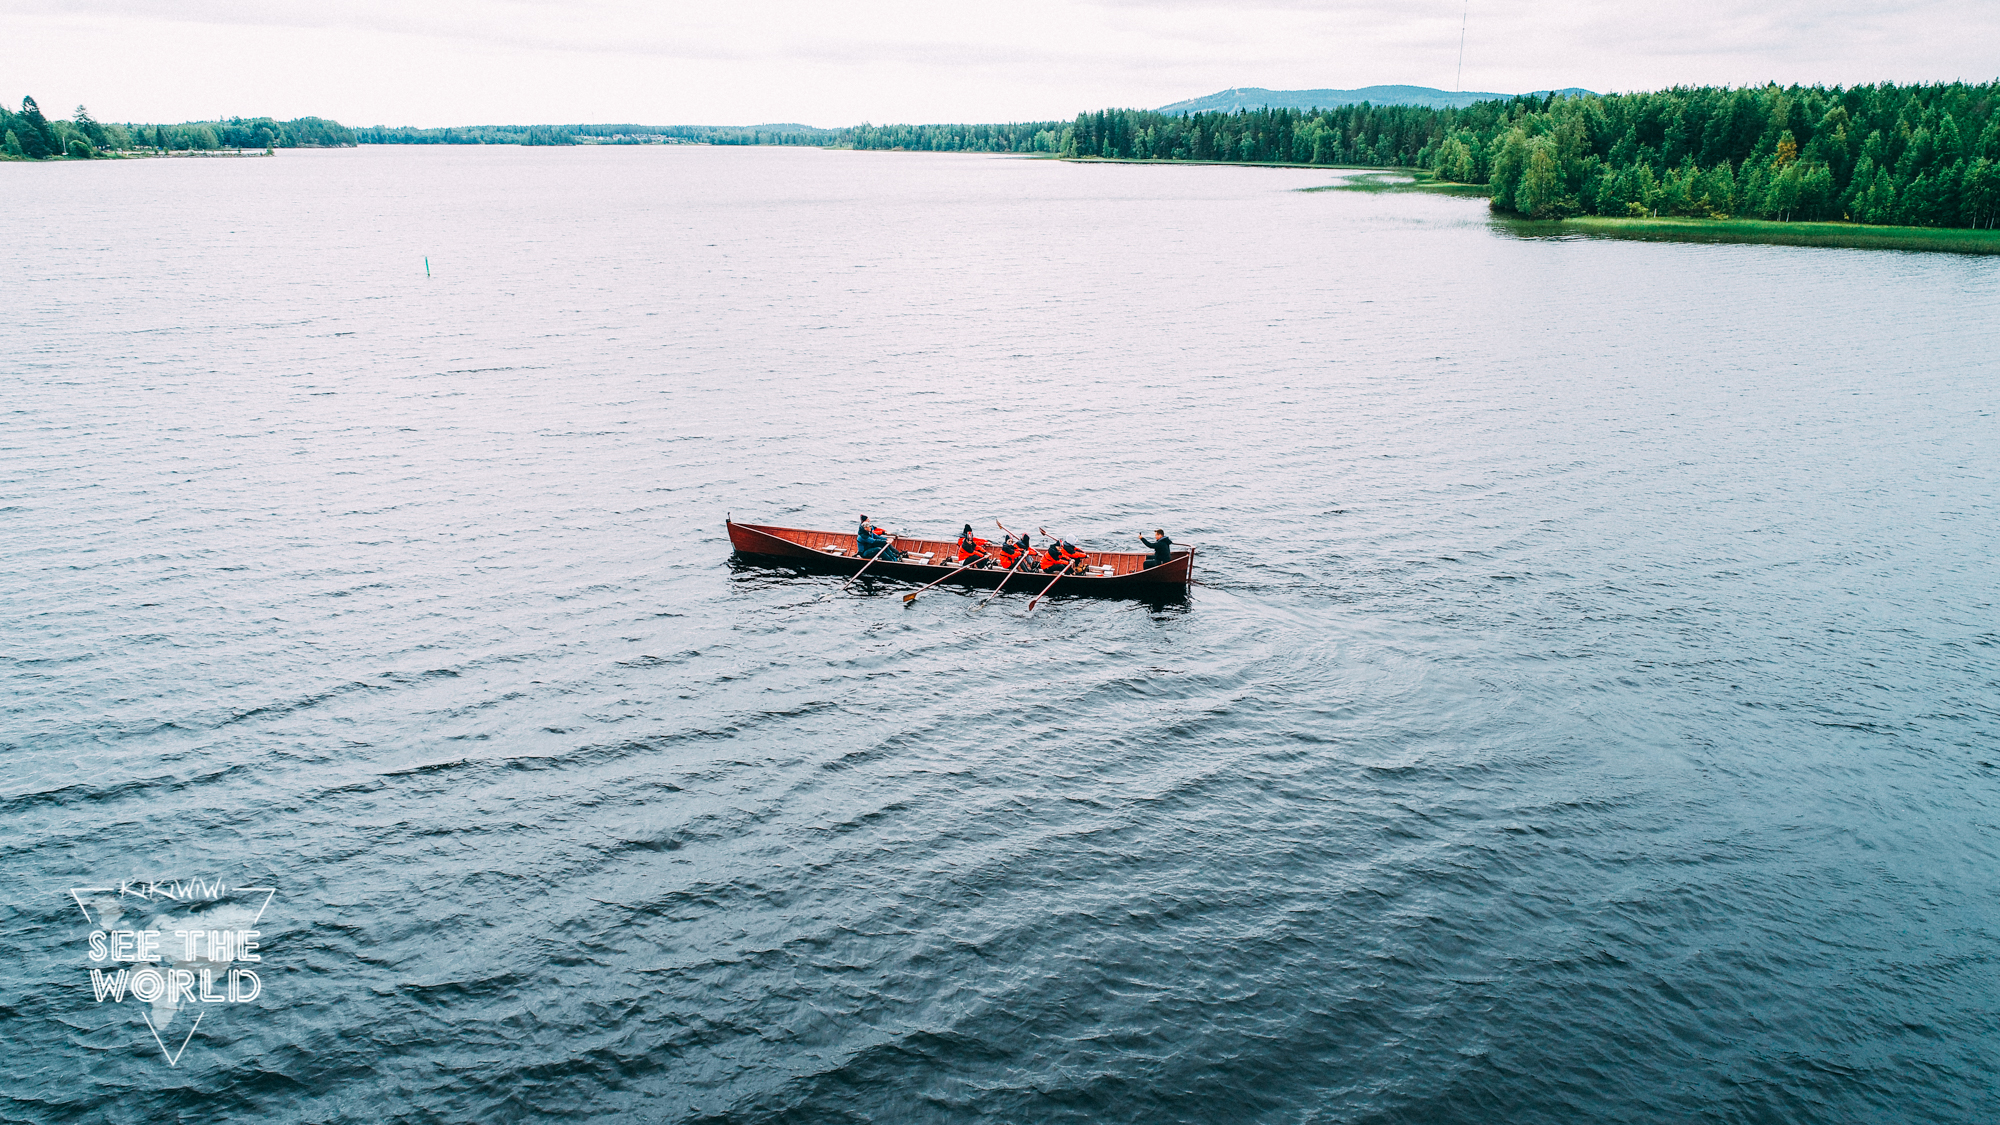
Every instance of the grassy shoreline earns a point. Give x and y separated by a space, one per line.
145 154
1221 164
1402 179
1851 236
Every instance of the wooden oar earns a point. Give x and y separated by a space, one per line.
1003 581
1047 588
862 571
1071 567
908 598
1025 540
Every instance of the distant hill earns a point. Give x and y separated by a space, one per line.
1253 97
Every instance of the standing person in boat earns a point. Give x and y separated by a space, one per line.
870 541
1163 548
972 549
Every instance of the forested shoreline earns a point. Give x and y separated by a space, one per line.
1925 156
1035 136
805 135
1889 155
29 134
1916 155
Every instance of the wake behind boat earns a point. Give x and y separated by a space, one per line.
1103 573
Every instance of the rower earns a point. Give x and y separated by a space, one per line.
1031 559
1011 550
972 550
1163 548
1055 556
1063 554
871 541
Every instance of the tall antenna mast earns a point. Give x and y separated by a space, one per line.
1461 46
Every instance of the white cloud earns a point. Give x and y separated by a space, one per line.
370 61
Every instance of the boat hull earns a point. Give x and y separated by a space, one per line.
804 549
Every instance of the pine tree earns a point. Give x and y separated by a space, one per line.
1755 186
88 126
1882 198
1854 200
1950 148
1989 141
38 139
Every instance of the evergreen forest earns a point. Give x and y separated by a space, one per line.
29 134
1907 155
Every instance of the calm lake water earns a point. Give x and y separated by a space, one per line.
1588 712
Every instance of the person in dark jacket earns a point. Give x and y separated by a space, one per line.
870 541
1163 547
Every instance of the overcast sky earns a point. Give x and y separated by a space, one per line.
829 62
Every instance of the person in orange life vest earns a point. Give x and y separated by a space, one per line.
1056 556
1012 551
1031 559
1063 553
972 550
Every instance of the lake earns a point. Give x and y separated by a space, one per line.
1587 709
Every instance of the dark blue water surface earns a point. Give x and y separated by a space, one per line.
1588 711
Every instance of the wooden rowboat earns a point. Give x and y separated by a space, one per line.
1121 574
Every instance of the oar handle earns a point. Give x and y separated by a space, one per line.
1045 590
1010 573
908 598
890 545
